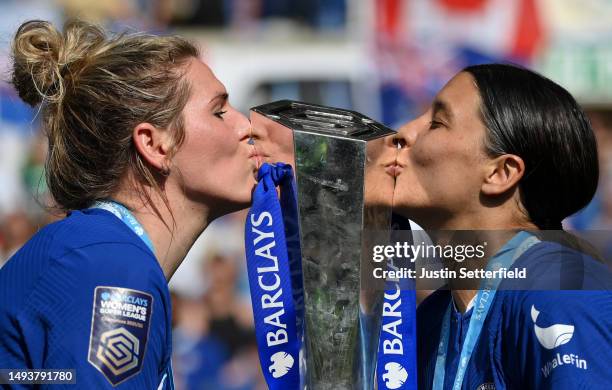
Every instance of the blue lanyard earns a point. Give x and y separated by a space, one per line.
484 298
121 212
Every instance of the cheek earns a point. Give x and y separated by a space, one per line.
205 152
223 145
443 170
428 155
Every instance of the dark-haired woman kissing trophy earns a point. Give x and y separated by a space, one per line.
508 153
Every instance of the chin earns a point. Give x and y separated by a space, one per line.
226 208
406 213
242 202
221 205
415 212
405 205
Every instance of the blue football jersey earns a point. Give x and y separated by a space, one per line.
531 339
86 293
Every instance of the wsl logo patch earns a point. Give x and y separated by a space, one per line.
119 350
119 332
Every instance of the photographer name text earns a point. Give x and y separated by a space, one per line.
447 273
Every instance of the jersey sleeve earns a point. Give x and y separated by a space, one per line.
102 310
557 340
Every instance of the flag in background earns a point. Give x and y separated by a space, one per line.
420 44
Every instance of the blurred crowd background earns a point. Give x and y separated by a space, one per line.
385 58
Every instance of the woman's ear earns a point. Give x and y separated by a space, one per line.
153 145
503 173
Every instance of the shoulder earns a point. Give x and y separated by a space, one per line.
558 306
92 239
563 276
91 227
559 265
84 251
59 268
565 283
96 285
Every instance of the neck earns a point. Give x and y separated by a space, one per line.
463 291
175 232
486 219
495 229
462 298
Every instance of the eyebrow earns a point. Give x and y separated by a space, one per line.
440 106
223 96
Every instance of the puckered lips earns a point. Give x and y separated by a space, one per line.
256 157
394 168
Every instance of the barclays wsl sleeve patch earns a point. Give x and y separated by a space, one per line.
119 331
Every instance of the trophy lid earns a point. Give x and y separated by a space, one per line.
323 120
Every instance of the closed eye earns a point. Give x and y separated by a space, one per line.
435 124
219 114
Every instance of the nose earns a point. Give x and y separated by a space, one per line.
242 125
391 141
258 127
408 133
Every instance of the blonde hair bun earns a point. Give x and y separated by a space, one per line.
44 58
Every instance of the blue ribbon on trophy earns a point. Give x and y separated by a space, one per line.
278 314
396 366
275 280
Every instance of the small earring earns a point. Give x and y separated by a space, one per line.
165 171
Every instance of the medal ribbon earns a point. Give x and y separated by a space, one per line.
274 272
396 366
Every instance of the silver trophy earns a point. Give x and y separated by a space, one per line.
343 192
